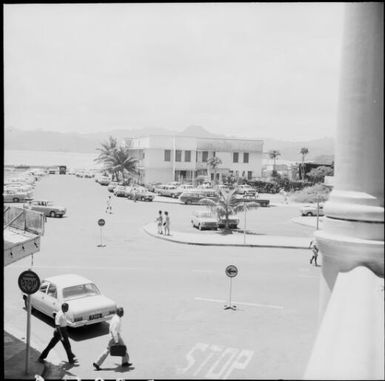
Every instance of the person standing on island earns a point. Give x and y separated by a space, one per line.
166 223
159 221
115 338
60 334
109 207
315 250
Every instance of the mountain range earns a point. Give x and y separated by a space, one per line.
320 150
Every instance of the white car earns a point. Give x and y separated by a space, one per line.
86 303
203 219
246 189
311 210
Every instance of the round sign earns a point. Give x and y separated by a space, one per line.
231 271
101 222
29 282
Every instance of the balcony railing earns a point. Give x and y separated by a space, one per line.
23 219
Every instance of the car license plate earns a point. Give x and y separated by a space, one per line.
95 316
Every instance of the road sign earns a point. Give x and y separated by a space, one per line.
101 222
29 282
231 271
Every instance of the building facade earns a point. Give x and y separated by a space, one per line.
185 158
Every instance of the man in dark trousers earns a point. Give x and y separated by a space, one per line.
60 334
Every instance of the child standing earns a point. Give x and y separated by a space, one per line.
159 220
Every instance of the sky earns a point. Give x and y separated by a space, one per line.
258 70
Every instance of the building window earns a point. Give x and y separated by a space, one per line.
187 156
249 175
205 156
245 157
178 155
235 157
167 155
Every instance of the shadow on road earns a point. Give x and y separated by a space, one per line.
120 369
88 332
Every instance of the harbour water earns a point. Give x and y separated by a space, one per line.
73 160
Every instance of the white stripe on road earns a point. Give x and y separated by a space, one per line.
242 303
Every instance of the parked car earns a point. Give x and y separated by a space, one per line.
46 207
167 190
152 186
194 196
120 191
311 210
233 222
86 303
246 189
104 180
203 219
88 175
15 195
249 197
141 194
112 185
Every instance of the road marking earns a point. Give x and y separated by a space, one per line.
215 361
241 303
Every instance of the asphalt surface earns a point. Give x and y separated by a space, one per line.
175 324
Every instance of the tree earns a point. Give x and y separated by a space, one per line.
317 175
273 154
304 151
213 163
228 204
117 159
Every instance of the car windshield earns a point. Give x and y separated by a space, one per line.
80 291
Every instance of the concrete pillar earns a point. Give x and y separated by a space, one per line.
353 228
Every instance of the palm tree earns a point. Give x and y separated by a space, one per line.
212 163
117 159
304 151
228 204
273 154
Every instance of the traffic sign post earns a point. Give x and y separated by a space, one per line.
231 271
101 223
29 283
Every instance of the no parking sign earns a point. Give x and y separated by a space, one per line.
101 223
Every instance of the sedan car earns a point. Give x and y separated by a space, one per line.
246 189
233 222
15 195
112 185
86 303
120 191
203 219
194 197
311 210
104 180
140 193
46 207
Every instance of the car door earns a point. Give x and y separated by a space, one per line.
51 304
38 298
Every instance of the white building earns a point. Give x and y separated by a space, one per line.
184 158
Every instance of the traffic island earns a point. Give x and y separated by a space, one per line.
219 239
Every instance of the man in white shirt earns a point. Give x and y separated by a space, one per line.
115 338
60 334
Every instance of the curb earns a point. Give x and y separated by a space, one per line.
155 235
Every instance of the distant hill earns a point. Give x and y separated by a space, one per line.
40 140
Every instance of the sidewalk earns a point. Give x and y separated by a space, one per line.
217 238
15 358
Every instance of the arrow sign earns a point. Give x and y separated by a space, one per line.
231 271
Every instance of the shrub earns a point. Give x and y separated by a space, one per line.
310 194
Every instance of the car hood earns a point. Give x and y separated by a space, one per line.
90 304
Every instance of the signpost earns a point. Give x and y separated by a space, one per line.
231 271
101 223
29 283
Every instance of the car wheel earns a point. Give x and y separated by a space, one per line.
309 214
142 198
52 214
188 202
15 199
60 215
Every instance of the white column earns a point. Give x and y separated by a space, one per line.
353 226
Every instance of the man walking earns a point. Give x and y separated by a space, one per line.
315 250
109 207
115 338
166 223
60 334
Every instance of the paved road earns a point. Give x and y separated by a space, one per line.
175 325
